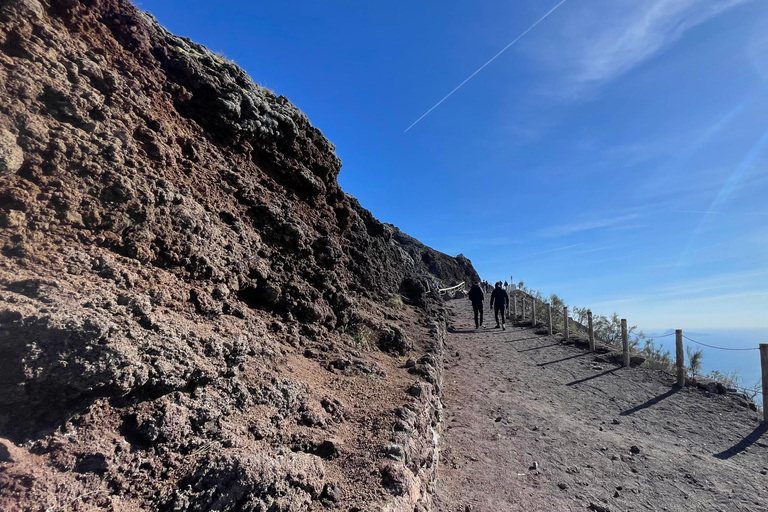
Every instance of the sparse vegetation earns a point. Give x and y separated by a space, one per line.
694 360
363 336
396 302
730 380
607 329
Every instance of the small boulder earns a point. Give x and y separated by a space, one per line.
331 492
92 463
5 454
11 155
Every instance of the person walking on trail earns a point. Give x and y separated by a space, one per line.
501 300
476 297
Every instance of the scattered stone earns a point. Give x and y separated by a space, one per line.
616 421
598 508
13 219
326 450
5 455
394 451
396 480
341 364
11 155
416 390
498 419
534 467
393 339
331 492
564 486
92 463
634 450
410 363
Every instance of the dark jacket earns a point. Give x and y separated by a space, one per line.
476 295
500 297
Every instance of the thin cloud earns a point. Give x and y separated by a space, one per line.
605 40
576 227
547 251
707 212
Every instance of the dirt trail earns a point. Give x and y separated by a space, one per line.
532 424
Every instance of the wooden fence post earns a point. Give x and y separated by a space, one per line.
680 358
591 332
533 313
764 367
565 323
625 341
522 306
549 317
514 308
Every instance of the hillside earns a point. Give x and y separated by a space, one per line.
193 314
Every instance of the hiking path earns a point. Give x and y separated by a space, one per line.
534 424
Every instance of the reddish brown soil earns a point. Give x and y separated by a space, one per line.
183 287
515 400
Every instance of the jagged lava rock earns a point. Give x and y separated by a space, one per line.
168 228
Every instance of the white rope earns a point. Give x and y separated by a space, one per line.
452 288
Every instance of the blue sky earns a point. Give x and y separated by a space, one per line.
617 154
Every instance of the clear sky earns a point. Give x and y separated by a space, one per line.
616 154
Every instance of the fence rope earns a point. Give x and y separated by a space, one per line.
452 288
719 348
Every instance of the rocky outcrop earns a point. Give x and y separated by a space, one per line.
172 235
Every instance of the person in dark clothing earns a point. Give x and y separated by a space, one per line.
500 298
476 297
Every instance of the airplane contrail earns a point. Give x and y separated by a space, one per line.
550 250
484 65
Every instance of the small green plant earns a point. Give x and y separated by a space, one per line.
363 336
694 360
729 380
396 302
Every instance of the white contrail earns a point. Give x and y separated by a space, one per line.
550 250
483 66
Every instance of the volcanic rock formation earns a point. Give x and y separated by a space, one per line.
182 280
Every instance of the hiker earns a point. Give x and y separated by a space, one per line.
476 297
500 297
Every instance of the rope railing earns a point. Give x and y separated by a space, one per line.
719 348
452 288
524 305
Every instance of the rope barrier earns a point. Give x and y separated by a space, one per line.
443 290
719 348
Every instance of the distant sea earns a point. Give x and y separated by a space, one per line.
745 362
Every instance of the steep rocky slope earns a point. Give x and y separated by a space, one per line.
193 315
